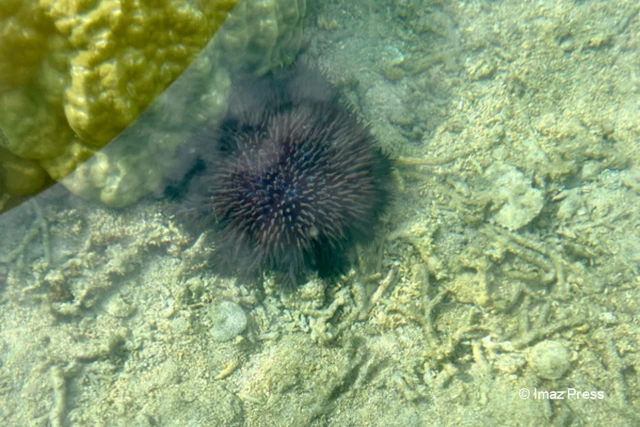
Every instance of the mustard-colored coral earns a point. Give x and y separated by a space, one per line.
23 40
20 176
128 52
257 36
75 73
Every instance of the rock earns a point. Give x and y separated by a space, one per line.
511 189
228 320
549 359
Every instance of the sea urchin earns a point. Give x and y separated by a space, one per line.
294 180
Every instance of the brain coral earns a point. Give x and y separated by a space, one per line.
126 53
75 73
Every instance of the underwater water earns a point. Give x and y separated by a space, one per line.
501 286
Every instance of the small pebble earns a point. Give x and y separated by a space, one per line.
549 360
228 320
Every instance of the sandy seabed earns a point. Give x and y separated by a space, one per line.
505 283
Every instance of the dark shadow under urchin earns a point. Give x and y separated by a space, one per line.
293 181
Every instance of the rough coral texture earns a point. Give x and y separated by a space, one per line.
134 163
262 34
127 52
74 74
258 35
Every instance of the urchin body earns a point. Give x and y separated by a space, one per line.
294 183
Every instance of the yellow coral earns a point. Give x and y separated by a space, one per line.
75 73
23 41
20 176
127 53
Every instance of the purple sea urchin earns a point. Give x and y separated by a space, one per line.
295 180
